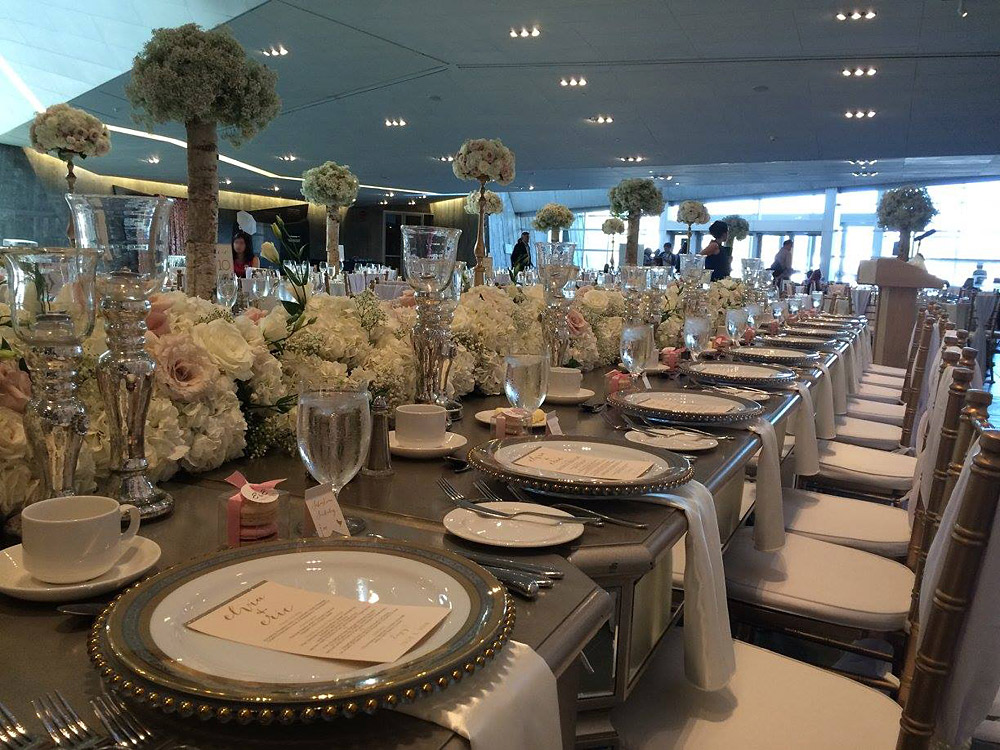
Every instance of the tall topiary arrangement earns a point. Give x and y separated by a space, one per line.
906 210
631 199
205 80
333 186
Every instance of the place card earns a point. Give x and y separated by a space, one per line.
309 623
552 426
581 465
324 512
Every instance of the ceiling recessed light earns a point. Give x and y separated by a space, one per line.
846 72
411 202
445 157
841 16
275 188
395 122
632 159
573 81
870 113
870 15
288 157
856 15
274 51
858 72
152 159
531 187
601 119
859 114
227 181
525 32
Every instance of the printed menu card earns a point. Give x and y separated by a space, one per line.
284 618
584 464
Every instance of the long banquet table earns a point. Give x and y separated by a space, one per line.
596 643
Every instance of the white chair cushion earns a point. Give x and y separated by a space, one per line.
899 372
878 435
879 529
878 393
875 411
821 581
867 467
889 381
771 703
989 730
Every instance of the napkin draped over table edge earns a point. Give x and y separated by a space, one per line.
806 448
769 510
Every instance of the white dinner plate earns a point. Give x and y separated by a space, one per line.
576 398
671 439
139 556
486 416
684 402
530 531
451 443
361 575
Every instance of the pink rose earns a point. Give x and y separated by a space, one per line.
671 356
183 368
583 291
255 314
577 323
15 386
157 321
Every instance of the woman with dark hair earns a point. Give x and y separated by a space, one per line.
243 257
718 259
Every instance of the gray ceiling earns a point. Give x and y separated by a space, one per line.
727 96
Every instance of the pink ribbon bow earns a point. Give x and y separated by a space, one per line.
236 501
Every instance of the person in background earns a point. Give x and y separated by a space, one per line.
781 269
979 276
647 256
665 256
243 257
814 281
675 260
718 258
521 257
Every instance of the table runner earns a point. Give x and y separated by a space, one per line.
511 705
709 656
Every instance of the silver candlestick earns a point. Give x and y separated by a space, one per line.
52 312
131 233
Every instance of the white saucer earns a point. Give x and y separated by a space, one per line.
577 398
140 555
486 417
529 531
451 443
672 440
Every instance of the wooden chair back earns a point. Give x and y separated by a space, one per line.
975 414
969 355
963 559
963 336
912 355
916 382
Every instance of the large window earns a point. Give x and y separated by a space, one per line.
597 246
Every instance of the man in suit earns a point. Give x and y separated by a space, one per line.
521 257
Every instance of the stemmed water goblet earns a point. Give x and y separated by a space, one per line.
333 431
697 335
736 324
526 382
635 347
227 288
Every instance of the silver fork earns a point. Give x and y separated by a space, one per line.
64 724
124 728
463 502
487 491
518 493
13 735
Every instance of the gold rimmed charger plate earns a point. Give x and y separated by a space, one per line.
777 355
686 407
496 458
806 343
752 374
143 650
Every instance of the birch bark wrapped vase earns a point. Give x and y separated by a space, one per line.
130 234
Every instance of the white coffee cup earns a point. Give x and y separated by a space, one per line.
565 381
72 539
421 424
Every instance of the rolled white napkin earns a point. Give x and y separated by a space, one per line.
806 450
769 514
709 657
826 423
510 705
972 686
838 379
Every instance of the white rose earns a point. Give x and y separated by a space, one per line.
597 300
274 327
18 487
226 346
13 441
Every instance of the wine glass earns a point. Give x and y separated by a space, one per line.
636 346
736 324
526 382
227 287
697 331
334 431
817 300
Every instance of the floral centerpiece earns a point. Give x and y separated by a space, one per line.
633 198
739 228
690 213
553 218
612 227
905 210
203 79
68 133
494 204
333 186
484 160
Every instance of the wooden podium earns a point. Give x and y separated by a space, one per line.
897 283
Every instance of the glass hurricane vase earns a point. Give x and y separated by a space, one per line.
429 262
51 295
130 234
557 272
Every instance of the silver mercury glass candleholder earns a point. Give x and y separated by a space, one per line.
557 273
51 294
130 234
429 263
449 298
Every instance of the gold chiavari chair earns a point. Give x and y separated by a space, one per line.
912 352
836 596
776 702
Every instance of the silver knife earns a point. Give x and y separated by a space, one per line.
536 569
520 583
